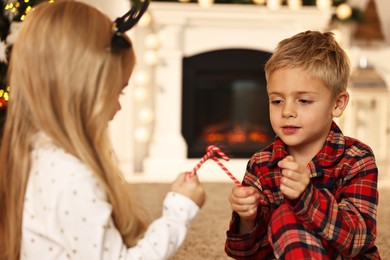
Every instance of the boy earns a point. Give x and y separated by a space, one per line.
312 193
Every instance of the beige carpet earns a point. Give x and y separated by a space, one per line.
206 237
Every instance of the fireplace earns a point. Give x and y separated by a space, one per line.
225 102
222 101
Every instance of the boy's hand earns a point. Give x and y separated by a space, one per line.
244 201
295 178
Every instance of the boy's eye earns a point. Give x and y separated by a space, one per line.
276 101
305 101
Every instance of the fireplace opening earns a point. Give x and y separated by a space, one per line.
225 102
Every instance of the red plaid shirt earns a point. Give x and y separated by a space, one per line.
339 205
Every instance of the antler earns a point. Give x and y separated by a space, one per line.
125 23
131 18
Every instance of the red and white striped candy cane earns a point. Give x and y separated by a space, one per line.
204 158
210 151
226 171
226 158
214 149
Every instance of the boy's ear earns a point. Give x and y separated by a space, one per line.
340 104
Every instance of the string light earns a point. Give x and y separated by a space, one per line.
274 4
151 57
343 11
13 9
142 78
146 115
324 4
4 97
152 41
142 134
145 20
141 94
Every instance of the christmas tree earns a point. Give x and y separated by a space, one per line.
4 29
370 29
11 13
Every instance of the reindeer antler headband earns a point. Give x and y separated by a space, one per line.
125 23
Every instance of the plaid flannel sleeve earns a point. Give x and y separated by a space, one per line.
255 243
345 220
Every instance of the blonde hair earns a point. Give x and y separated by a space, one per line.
318 54
64 81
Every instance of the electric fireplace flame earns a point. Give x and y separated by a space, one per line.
237 135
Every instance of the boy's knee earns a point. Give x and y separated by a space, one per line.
288 236
282 217
282 220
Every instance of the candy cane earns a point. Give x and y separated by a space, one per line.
210 151
226 171
204 158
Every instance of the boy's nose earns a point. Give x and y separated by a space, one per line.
288 111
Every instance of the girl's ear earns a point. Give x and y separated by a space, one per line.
340 104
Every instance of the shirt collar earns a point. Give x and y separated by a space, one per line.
329 155
333 149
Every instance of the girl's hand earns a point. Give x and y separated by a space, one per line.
189 186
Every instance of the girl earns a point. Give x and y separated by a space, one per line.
61 194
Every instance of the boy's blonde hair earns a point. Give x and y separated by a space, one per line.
318 54
65 82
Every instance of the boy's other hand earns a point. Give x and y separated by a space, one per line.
245 201
295 178
191 187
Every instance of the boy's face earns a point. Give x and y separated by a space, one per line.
301 110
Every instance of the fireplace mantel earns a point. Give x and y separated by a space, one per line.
185 29
227 25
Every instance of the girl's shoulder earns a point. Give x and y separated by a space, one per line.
52 166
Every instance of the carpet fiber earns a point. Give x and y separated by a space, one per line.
206 237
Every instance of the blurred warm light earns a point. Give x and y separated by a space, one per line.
146 115
343 11
151 57
294 4
259 2
152 41
141 94
214 137
324 4
145 20
142 134
205 3
141 78
274 4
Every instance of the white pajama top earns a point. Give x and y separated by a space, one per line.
66 214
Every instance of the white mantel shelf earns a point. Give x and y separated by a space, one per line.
243 16
231 25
